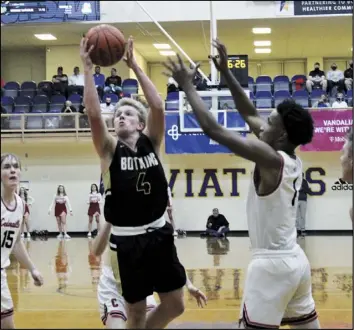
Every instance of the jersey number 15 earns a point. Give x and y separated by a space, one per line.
8 239
142 185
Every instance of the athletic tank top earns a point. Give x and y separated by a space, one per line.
271 218
11 220
135 186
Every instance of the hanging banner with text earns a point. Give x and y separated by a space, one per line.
312 8
331 127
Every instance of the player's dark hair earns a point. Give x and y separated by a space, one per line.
297 121
58 192
25 193
94 184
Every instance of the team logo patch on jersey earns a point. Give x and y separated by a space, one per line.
342 185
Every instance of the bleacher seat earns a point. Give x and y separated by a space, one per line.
316 95
264 100
11 88
298 82
15 121
349 98
280 96
35 122
301 97
57 102
251 84
52 122
7 102
114 97
281 83
40 103
23 103
263 84
76 100
45 87
28 88
130 86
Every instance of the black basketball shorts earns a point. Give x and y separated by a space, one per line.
148 263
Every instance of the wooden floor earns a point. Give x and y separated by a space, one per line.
68 297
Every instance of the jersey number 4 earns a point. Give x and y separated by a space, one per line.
8 239
142 185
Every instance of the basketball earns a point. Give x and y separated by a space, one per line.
108 42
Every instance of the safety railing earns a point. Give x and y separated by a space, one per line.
21 125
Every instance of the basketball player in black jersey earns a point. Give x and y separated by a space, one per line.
136 198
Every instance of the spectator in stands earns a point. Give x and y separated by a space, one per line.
316 79
99 80
323 102
76 82
339 103
348 76
113 83
108 111
83 119
68 107
60 82
217 225
335 77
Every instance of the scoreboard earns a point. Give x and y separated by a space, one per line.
15 12
238 65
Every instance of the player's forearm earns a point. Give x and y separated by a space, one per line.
205 118
242 102
91 100
100 242
22 256
150 92
68 204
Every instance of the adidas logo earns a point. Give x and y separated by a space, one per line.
340 184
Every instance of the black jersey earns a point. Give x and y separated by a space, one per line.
136 186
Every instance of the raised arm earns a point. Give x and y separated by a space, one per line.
253 150
103 141
242 102
155 125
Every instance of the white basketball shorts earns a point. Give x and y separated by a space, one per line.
7 306
278 290
111 302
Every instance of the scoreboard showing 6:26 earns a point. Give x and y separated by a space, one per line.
238 65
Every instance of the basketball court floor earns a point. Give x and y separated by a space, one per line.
68 296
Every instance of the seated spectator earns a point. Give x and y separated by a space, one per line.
83 119
316 79
323 102
348 76
60 82
172 85
217 225
113 83
76 82
339 103
335 77
108 109
68 107
99 80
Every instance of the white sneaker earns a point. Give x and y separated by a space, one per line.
28 235
175 234
89 235
22 235
60 236
66 236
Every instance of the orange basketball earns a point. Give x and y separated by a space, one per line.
109 44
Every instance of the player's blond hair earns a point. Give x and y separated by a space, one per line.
7 155
142 111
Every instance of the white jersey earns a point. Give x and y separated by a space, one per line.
94 198
271 218
11 221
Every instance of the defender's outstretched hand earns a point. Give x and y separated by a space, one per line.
221 62
179 71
